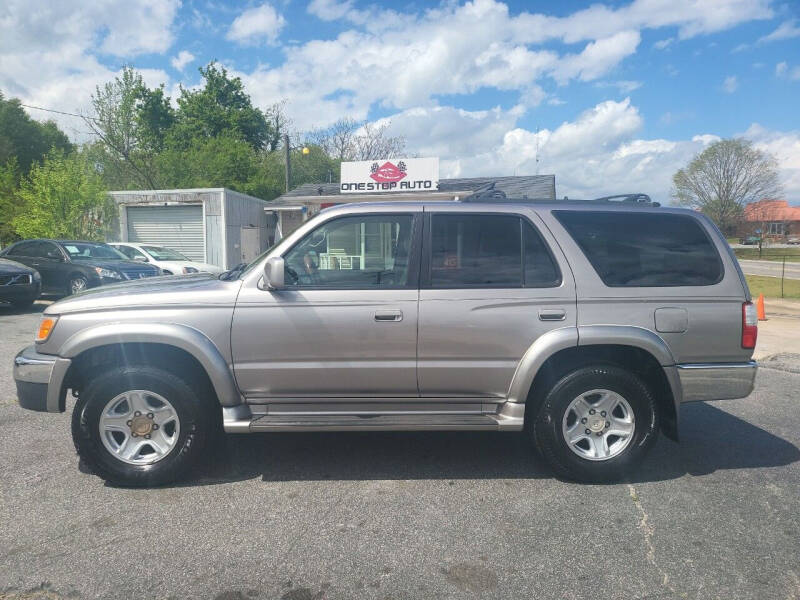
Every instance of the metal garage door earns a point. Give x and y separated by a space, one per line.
176 227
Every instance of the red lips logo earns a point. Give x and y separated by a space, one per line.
387 173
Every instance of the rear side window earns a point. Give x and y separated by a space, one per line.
488 251
644 249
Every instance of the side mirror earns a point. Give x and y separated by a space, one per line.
273 273
141 258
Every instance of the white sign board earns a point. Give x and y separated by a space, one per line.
390 175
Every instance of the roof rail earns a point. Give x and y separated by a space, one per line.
485 193
636 198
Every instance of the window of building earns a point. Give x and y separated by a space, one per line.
776 228
353 252
488 251
645 249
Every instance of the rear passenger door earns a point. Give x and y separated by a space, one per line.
491 284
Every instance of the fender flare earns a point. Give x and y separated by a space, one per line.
179 336
556 340
535 356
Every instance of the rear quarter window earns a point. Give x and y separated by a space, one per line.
629 249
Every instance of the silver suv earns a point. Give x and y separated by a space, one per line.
583 324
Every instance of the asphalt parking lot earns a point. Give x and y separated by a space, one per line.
410 515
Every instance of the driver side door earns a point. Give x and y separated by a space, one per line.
345 326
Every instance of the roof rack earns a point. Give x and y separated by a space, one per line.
488 193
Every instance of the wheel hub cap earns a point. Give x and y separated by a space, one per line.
598 425
139 427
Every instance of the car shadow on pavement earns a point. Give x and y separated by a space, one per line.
9 309
711 440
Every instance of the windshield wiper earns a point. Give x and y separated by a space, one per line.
232 273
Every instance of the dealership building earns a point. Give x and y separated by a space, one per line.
395 180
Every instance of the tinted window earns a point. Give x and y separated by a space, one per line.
540 269
45 250
644 250
488 251
22 249
353 252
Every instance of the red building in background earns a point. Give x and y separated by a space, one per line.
775 219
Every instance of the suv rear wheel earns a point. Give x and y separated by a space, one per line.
141 426
596 424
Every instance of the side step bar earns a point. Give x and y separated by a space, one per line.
372 422
239 419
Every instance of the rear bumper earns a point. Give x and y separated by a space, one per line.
717 381
40 380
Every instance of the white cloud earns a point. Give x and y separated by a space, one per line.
183 58
785 147
256 25
731 84
329 10
665 43
785 31
783 70
49 50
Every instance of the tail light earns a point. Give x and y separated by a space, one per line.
749 325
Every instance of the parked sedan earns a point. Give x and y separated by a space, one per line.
70 266
19 285
170 261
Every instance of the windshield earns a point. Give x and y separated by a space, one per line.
81 250
159 253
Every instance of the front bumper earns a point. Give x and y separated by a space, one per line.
40 380
717 381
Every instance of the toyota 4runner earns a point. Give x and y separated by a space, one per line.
583 324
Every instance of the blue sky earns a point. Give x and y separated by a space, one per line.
609 96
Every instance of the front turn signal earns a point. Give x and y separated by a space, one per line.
46 326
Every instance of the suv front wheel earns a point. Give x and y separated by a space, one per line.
141 426
596 424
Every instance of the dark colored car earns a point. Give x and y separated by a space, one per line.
70 266
750 240
19 285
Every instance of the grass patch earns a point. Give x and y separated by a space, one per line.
771 287
773 254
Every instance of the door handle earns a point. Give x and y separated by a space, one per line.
389 316
555 314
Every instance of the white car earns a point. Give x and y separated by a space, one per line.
169 261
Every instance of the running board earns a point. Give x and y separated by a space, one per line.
238 419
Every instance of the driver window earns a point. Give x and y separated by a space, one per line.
353 252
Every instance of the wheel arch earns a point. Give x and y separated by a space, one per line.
632 348
127 343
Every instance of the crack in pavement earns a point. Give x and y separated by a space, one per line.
648 531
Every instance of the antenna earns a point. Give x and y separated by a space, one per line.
537 149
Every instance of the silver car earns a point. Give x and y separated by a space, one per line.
583 324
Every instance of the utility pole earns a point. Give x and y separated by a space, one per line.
288 160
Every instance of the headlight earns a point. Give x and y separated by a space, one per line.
46 326
190 270
107 273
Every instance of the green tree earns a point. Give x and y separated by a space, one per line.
128 120
9 200
725 177
63 197
25 139
220 107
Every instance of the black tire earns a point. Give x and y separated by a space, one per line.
195 409
549 437
76 278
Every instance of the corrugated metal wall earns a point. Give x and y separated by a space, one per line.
243 211
177 227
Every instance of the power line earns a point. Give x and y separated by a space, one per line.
58 112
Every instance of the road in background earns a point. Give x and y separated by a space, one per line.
770 268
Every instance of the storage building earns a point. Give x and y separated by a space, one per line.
214 225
